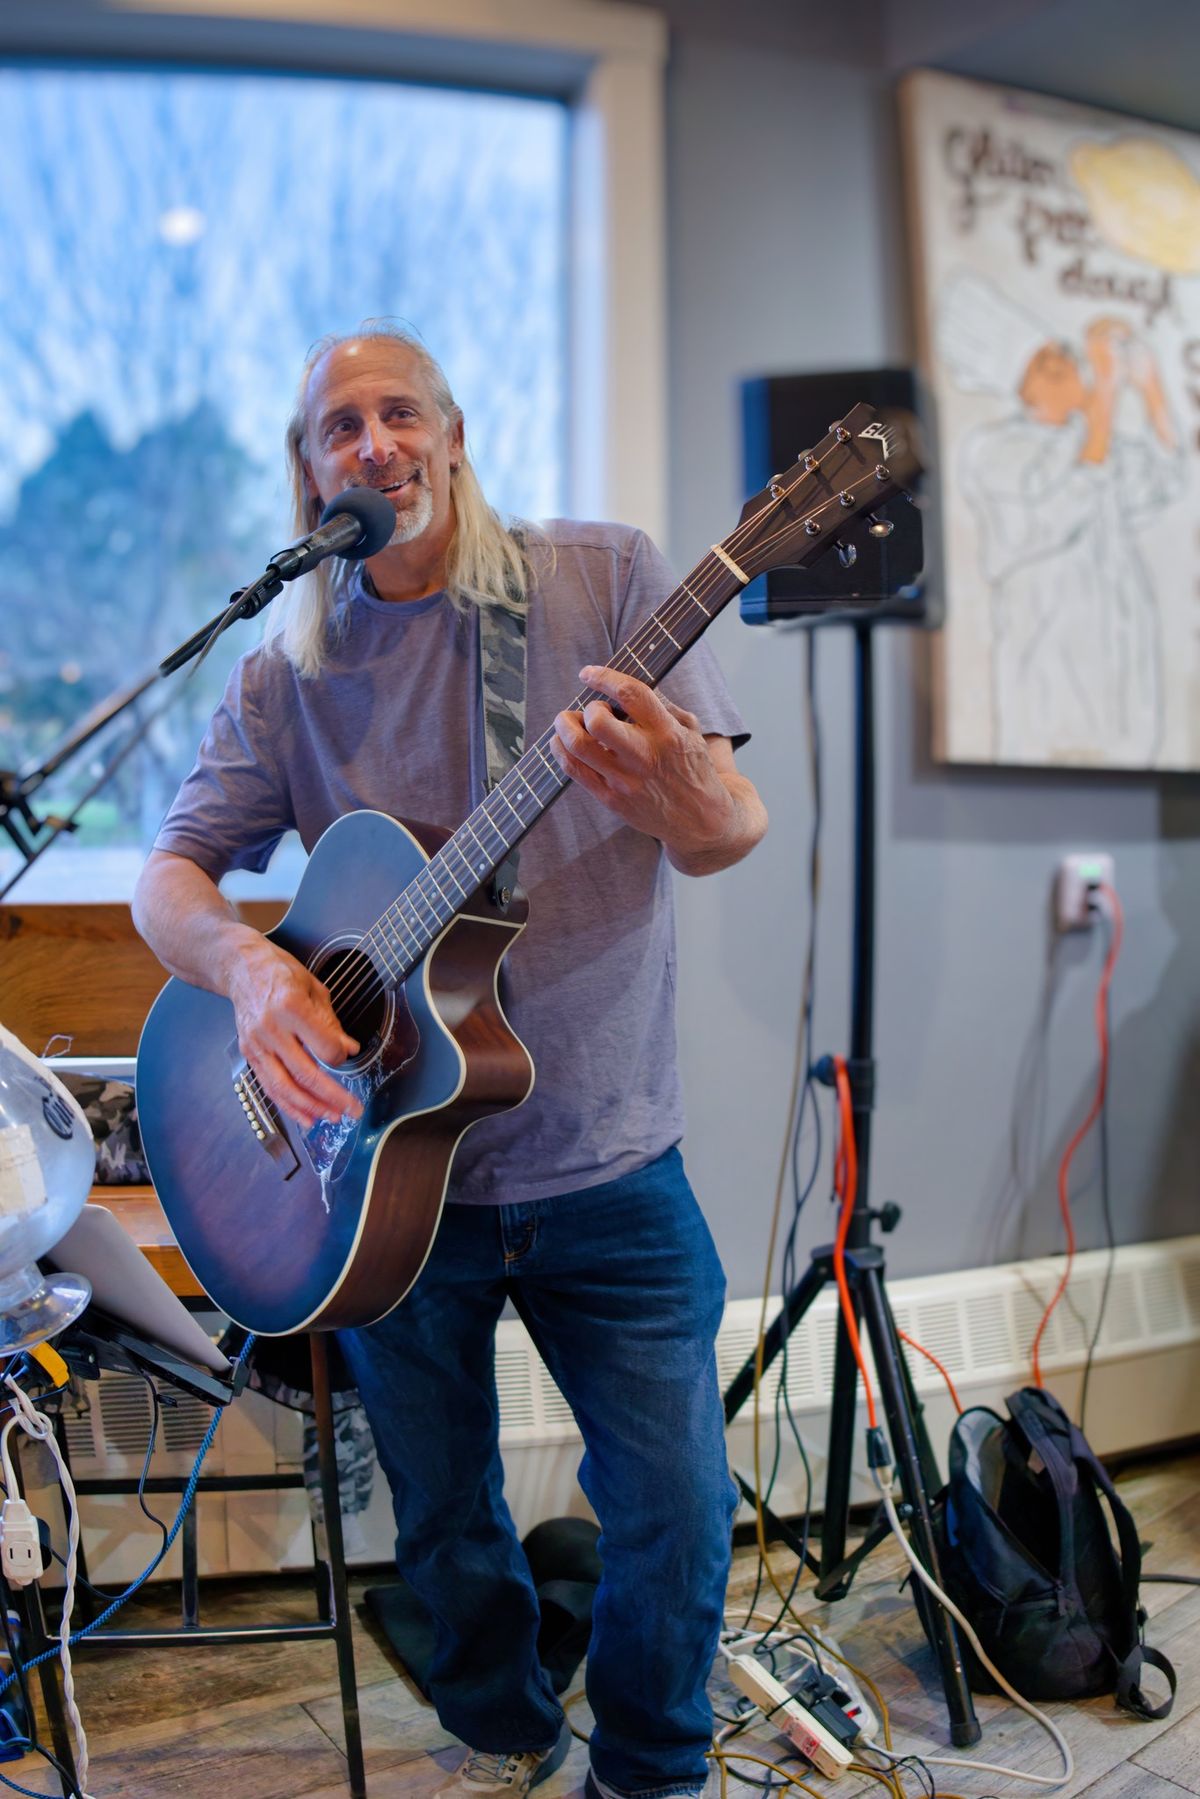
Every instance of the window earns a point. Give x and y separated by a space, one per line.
165 272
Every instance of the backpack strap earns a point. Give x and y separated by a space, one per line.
1045 1426
502 660
1129 1694
1028 1412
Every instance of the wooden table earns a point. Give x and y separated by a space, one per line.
141 1217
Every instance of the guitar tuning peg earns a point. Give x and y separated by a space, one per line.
847 554
775 487
841 433
879 527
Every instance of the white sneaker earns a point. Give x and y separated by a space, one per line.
486 1776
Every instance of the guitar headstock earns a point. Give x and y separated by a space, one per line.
864 460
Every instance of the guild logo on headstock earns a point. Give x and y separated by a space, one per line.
883 434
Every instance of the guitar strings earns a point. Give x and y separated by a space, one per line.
365 985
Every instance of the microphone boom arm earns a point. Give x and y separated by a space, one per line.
245 602
355 524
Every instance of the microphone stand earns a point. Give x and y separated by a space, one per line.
246 602
32 835
355 524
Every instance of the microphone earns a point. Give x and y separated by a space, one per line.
355 524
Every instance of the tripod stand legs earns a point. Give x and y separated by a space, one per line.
911 1451
835 1580
908 1440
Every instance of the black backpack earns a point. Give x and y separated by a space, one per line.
1028 1557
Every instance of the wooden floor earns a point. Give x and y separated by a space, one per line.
265 1723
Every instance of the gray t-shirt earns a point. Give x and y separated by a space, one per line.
393 722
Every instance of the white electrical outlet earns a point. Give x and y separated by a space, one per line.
1074 886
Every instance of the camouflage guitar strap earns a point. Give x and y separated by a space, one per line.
502 697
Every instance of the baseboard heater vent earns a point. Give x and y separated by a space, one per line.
980 1324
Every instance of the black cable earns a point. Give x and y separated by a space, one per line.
812 1647
155 1421
1174 1580
807 1101
763 1783
895 1763
741 1723
156 1417
1105 1197
70 1787
95 1591
922 1771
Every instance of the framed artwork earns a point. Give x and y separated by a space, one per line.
1056 254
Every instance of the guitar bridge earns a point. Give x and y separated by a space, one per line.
262 1119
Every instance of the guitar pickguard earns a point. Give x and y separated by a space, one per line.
330 1144
389 1040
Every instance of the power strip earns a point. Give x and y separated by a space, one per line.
789 1716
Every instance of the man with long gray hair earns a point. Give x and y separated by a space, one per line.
367 693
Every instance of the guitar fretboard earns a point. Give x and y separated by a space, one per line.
398 940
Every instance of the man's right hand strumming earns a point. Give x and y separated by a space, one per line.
285 1022
285 1018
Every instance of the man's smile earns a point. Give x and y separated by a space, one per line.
399 486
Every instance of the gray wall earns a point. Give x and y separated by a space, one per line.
787 255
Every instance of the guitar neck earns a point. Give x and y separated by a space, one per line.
484 841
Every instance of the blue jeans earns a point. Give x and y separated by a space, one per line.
621 1289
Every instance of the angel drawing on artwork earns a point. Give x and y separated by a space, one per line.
1060 488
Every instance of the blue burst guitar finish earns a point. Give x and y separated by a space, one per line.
290 1229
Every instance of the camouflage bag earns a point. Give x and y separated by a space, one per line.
111 1110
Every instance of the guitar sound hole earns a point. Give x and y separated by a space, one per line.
359 997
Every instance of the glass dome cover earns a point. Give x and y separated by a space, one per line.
47 1161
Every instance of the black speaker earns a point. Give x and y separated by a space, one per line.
875 572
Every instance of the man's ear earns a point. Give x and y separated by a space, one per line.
457 442
310 486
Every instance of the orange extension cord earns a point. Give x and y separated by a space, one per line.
1064 1197
930 1357
845 1185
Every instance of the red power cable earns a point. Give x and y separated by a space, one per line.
1064 1197
845 1185
930 1357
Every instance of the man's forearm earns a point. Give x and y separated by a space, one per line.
190 926
744 825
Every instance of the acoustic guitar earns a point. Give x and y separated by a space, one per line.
294 1229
